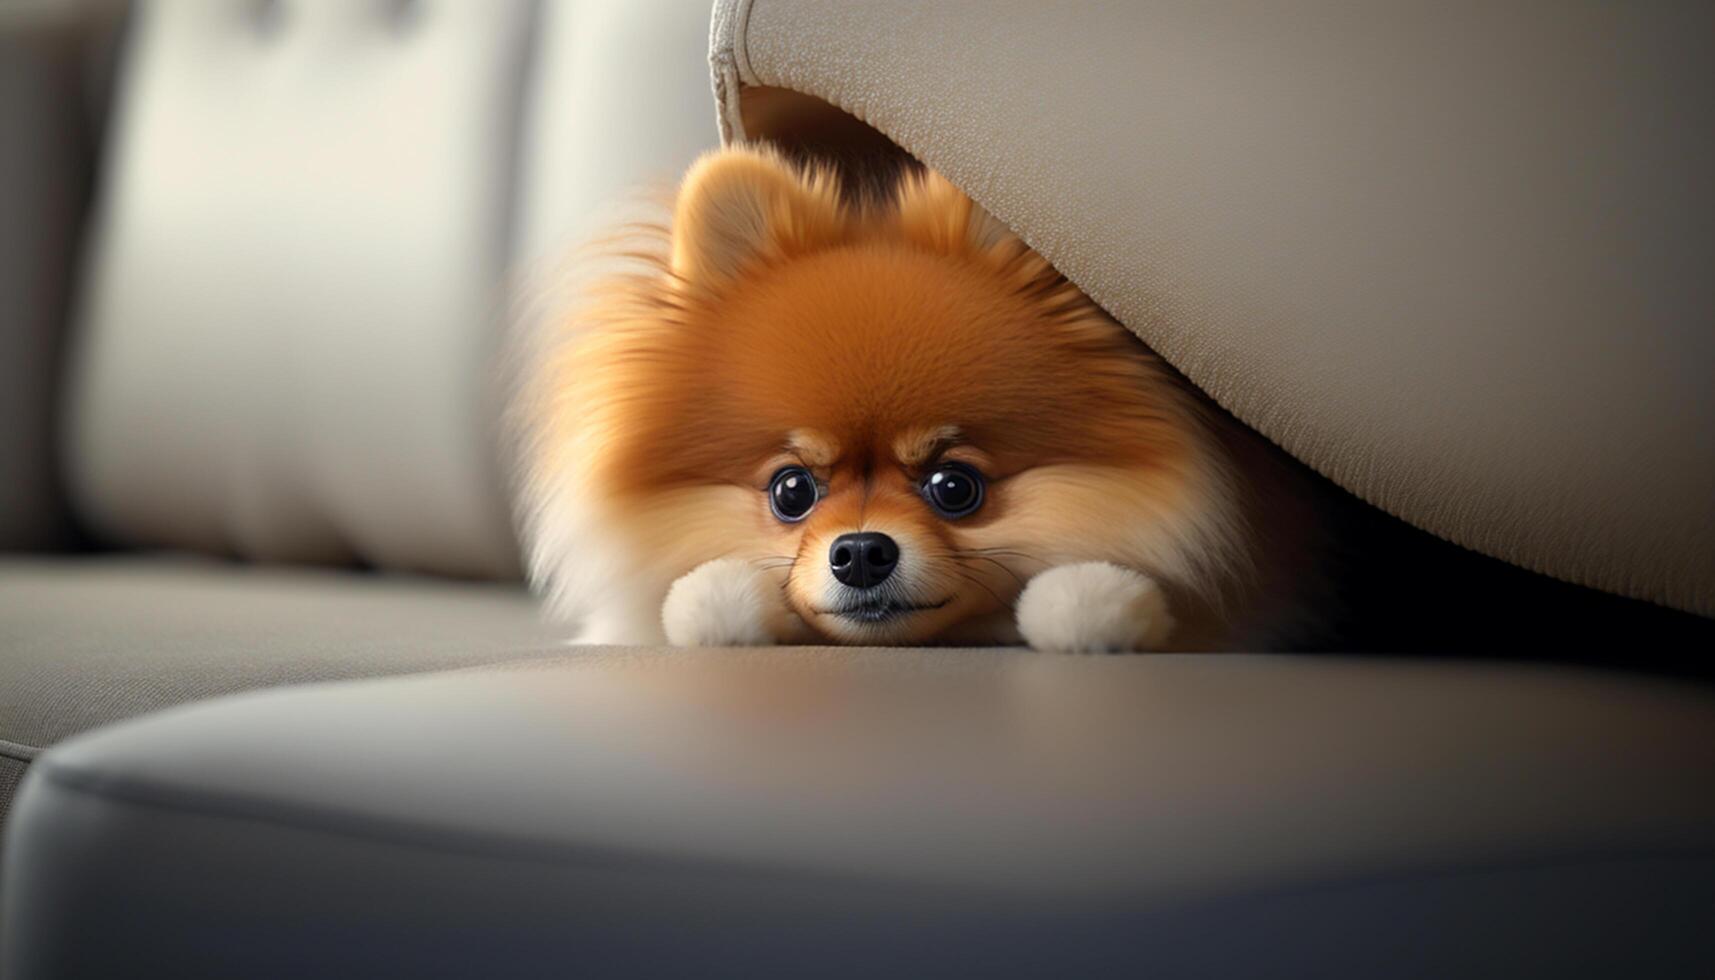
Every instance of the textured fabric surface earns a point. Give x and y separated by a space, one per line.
87 641
11 774
296 294
1454 262
11 777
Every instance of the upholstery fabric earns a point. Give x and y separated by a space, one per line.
88 641
11 774
884 812
295 295
1452 260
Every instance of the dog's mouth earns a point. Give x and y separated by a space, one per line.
871 612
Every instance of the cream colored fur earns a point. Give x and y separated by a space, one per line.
1093 607
1088 607
724 603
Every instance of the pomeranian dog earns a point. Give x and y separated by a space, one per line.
810 419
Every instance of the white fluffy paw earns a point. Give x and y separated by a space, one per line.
1093 607
723 603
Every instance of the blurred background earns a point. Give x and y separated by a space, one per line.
258 257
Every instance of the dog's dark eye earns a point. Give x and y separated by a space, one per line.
954 490
792 493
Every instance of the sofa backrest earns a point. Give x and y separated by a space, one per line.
308 223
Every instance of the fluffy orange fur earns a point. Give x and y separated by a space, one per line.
777 324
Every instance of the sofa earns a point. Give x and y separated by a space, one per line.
274 700
169 540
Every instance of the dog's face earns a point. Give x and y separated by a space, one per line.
901 414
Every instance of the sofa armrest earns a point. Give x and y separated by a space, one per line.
872 812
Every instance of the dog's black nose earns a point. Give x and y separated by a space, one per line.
864 559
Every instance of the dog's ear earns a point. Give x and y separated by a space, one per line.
933 214
938 216
739 205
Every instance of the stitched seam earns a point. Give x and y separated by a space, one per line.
741 42
729 66
19 751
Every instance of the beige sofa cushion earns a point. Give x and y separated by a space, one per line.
1455 261
851 814
316 214
86 641
295 294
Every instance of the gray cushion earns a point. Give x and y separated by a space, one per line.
87 641
11 774
884 812
1452 262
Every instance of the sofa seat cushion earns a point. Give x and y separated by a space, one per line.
851 812
89 640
